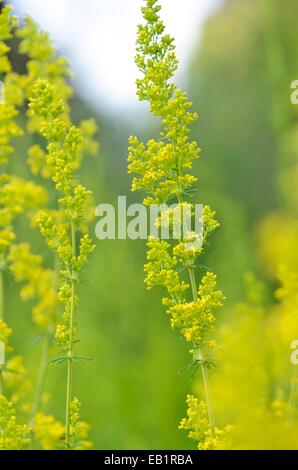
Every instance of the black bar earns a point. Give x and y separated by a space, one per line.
137 459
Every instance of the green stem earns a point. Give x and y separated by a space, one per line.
198 353
70 344
199 356
68 400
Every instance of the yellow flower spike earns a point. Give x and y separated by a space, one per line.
64 150
162 169
197 425
18 196
12 435
39 284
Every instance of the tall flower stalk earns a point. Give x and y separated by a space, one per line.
163 170
63 233
17 197
41 284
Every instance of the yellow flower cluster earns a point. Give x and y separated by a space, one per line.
13 436
48 431
196 319
16 381
16 195
161 166
285 313
8 125
161 271
261 336
79 429
197 425
5 333
40 284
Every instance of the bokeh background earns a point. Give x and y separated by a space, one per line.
238 59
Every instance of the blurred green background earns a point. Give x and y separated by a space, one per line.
239 80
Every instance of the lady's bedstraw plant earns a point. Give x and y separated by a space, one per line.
163 171
41 283
19 196
16 197
63 149
26 267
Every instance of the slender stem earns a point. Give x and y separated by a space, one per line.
199 356
70 344
68 400
41 376
198 353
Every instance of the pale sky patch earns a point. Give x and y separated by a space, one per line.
98 36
